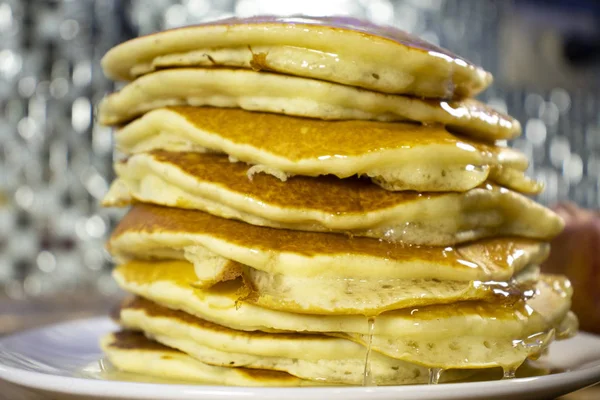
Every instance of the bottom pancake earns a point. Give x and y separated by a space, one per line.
309 356
133 352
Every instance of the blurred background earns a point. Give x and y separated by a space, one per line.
55 162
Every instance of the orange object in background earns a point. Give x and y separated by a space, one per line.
576 253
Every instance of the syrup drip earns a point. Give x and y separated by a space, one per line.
568 329
434 375
537 343
105 365
367 376
509 372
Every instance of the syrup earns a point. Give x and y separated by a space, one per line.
367 375
434 375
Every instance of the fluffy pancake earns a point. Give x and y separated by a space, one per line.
338 296
343 50
149 231
263 91
398 156
551 300
169 283
133 352
370 295
314 357
478 328
210 183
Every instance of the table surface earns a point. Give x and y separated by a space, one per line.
18 315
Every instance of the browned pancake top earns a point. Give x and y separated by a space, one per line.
146 218
132 340
325 193
298 138
153 309
338 23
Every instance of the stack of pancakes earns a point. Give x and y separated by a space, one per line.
320 201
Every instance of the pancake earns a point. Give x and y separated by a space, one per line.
339 296
212 184
551 301
170 283
133 352
473 327
149 231
308 356
263 91
397 156
343 50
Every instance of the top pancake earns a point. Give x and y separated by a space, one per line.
303 97
342 50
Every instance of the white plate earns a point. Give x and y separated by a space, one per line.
62 359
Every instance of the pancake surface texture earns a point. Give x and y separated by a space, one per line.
210 183
346 50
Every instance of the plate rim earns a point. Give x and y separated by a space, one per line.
587 376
